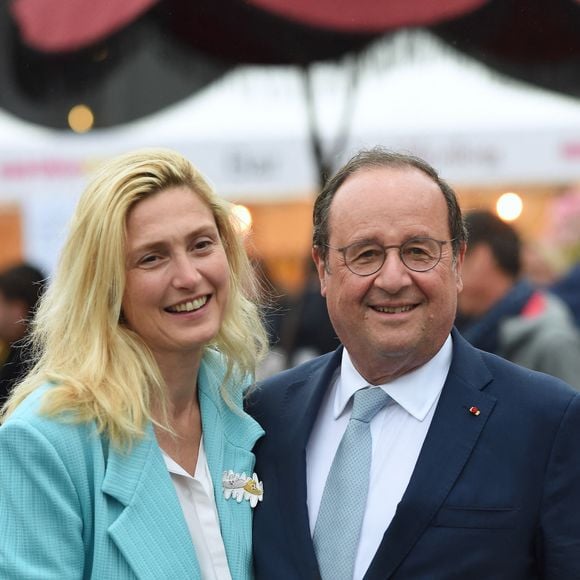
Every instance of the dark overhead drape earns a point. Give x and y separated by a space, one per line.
128 59
537 41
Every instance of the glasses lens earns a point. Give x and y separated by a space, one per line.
365 258
421 254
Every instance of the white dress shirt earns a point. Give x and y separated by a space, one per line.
398 432
196 496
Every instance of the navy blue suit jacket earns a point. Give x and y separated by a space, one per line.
492 496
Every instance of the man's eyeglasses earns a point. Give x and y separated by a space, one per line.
417 254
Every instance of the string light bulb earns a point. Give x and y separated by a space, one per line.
81 118
509 206
244 217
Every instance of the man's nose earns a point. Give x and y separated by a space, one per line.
393 274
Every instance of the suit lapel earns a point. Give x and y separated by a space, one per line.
450 441
150 531
300 409
228 438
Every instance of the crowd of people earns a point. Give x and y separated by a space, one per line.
424 425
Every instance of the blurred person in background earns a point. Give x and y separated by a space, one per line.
299 326
538 266
306 331
274 310
20 289
567 288
125 452
505 314
564 235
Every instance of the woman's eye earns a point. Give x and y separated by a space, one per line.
149 260
203 245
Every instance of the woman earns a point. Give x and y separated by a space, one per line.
125 452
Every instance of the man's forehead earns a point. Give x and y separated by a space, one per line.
405 182
384 175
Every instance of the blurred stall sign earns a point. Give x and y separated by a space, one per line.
47 184
541 156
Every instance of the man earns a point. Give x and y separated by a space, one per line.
506 314
20 288
474 467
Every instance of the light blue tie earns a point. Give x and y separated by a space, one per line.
339 522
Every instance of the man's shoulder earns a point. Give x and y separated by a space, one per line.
524 388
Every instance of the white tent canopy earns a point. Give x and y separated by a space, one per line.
473 125
249 133
249 130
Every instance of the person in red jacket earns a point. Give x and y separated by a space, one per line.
507 314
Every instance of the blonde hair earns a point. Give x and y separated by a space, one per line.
101 370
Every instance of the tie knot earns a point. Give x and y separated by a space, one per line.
367 403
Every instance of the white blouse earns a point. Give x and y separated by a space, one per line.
196 496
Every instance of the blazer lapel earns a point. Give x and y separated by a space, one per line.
228 436
150 530
450 441
300 409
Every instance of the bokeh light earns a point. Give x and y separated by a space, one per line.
81 119
509 206
244 216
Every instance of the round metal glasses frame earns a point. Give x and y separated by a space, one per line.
416 254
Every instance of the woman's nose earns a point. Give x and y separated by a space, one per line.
186 273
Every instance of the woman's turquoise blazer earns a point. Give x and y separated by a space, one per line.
73 507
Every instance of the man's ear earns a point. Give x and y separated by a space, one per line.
320 268
459 266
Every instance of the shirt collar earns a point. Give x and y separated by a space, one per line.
416 391
201 466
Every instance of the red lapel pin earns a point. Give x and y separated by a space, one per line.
474 411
